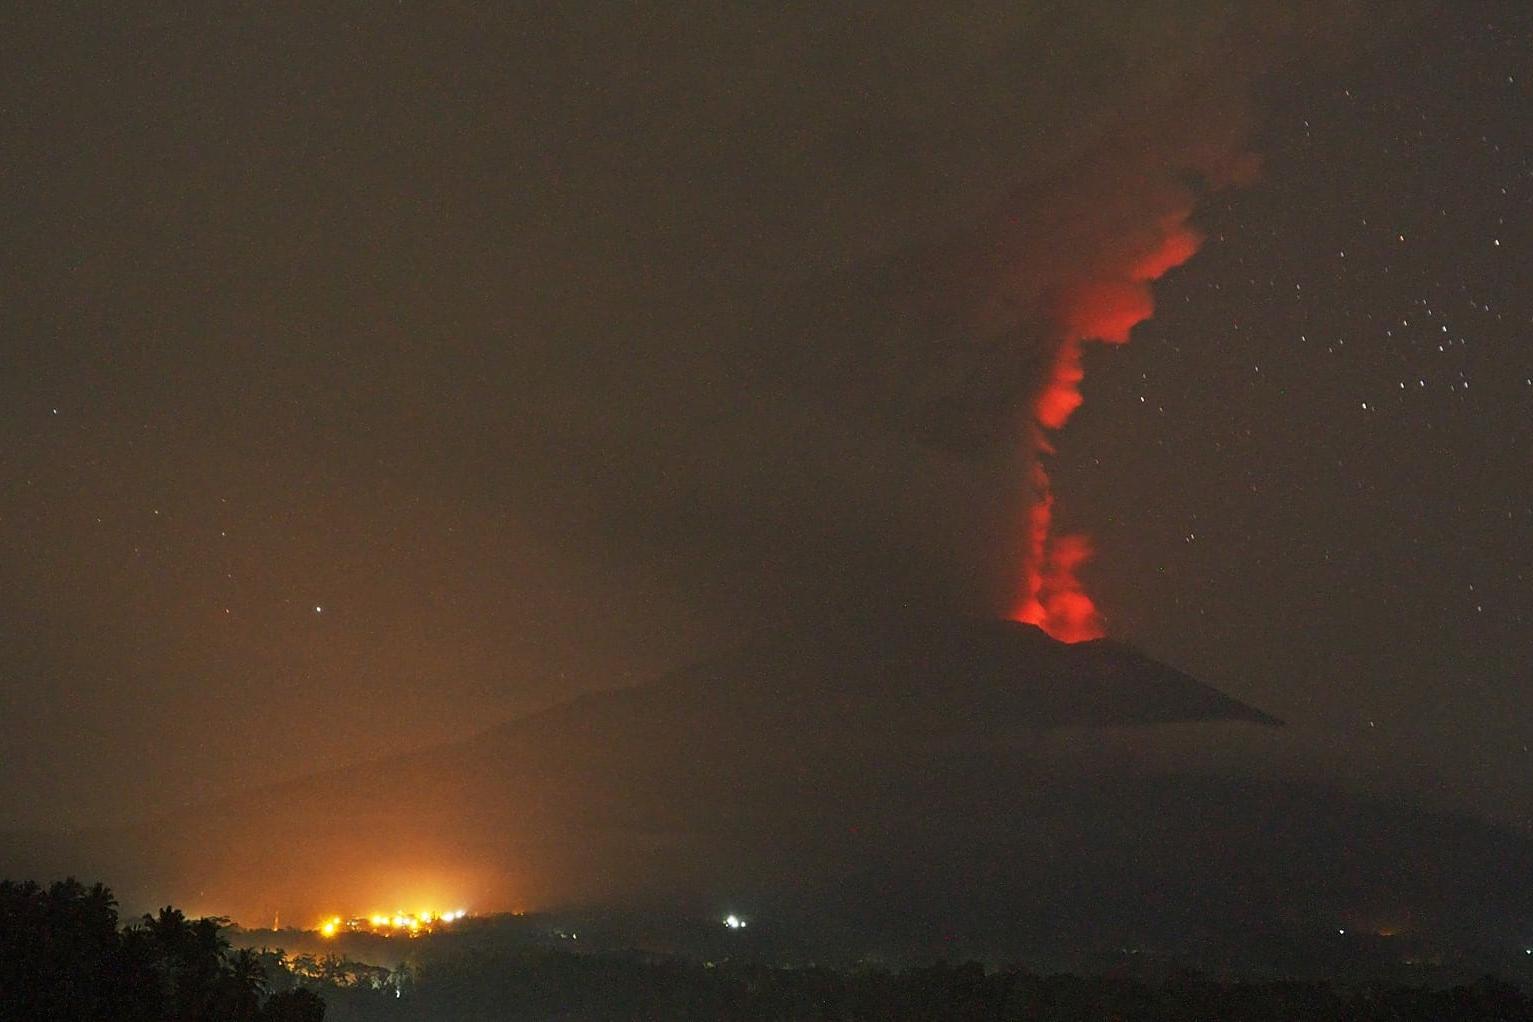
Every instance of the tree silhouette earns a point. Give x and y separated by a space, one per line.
63 957
242 986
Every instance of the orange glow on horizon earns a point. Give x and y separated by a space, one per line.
406 923
1105 309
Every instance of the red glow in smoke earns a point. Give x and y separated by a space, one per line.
1104 309
1069 614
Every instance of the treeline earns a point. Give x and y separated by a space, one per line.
65 956
551 984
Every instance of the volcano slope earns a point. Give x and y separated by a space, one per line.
876 785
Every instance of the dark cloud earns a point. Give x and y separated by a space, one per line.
539 342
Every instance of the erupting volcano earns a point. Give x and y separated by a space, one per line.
1105 309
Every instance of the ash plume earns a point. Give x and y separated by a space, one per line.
679 318
899 233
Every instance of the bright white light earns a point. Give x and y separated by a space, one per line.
734 922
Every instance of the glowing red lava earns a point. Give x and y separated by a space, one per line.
1104 309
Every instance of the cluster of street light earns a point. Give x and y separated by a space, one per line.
410 923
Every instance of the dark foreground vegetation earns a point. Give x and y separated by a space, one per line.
65 956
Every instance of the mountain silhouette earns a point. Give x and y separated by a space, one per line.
889 782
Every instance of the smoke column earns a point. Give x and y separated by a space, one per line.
1105 308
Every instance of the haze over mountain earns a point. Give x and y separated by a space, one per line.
887 780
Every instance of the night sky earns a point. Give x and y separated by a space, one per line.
368 380
1309 475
